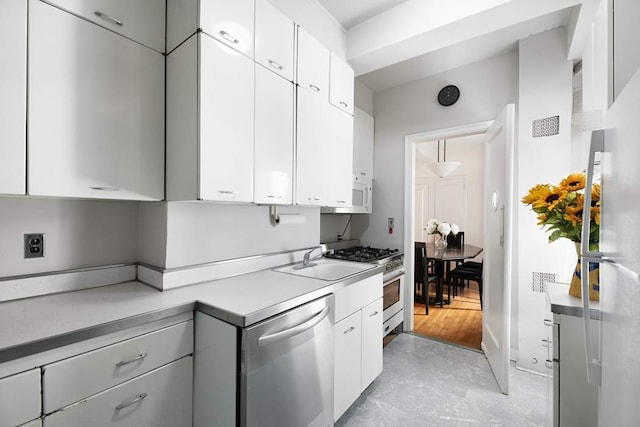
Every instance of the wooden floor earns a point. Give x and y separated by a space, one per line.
459 323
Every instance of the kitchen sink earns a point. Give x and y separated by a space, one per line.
325 269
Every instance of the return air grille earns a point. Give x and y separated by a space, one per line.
548 126
538 280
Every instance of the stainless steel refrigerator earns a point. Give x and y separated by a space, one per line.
614 361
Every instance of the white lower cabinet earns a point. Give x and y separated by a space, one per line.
162 397
348 363
20 398
95 111
358 341
371 342
215 373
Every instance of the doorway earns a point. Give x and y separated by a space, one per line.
455 199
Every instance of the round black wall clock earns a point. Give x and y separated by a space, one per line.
448 95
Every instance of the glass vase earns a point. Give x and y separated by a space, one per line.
575 287
440 242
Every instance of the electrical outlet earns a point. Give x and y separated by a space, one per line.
390 221
34 245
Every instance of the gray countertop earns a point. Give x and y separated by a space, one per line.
563 303
37 324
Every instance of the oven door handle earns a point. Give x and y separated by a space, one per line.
298 329
393 276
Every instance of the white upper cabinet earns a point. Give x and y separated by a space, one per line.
95 111
274 39
273 139
13 98
139 20
338 154
210 122
363 128
229 21
311 132
341 84
313 65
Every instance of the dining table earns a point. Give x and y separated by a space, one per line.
443 259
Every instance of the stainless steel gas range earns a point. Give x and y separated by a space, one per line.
393 277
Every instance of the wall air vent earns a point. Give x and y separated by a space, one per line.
548 126
538 280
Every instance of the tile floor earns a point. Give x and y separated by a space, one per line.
429 383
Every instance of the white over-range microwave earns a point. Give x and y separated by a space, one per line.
360 198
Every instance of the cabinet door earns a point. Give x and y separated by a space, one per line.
231 22
341 84
13 101
96 111
20 398
160 398
140 20
313 65
273 139
363 127
371 342
226 123
348 363
338 155
274 39
309 143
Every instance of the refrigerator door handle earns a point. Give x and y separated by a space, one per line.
594 366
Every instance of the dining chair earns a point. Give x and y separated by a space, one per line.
424 274
455 240
469 270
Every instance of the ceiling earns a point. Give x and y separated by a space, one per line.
393 42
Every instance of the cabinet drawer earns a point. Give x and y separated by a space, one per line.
159 398
140 20
20 398
357 295
75 378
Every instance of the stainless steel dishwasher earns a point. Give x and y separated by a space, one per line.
286 368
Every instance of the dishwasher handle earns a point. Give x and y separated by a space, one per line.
298 329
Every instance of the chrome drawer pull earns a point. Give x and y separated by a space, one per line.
274 64
135 359
344 104
105 188
314 88
341 201
546 343
548 322
108 18
351 329
548 363
271 196
133 401
375 313
227 192
228 37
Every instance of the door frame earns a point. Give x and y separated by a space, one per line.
409 200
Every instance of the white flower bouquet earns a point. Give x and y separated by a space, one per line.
441 228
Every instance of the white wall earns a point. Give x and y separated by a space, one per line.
545 89
486 87
471 155
78 233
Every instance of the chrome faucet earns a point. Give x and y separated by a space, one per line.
306 257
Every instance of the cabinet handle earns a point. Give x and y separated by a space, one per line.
314 88
548 363
341 201
227 192
105 188
548 322
274 64
271 196
375 313
135 359
108 18
351 329
386 328
344 104
133 401
363 173
228 37
546 343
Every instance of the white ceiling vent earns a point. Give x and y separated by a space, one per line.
548 126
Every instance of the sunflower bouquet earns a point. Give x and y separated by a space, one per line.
560 209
